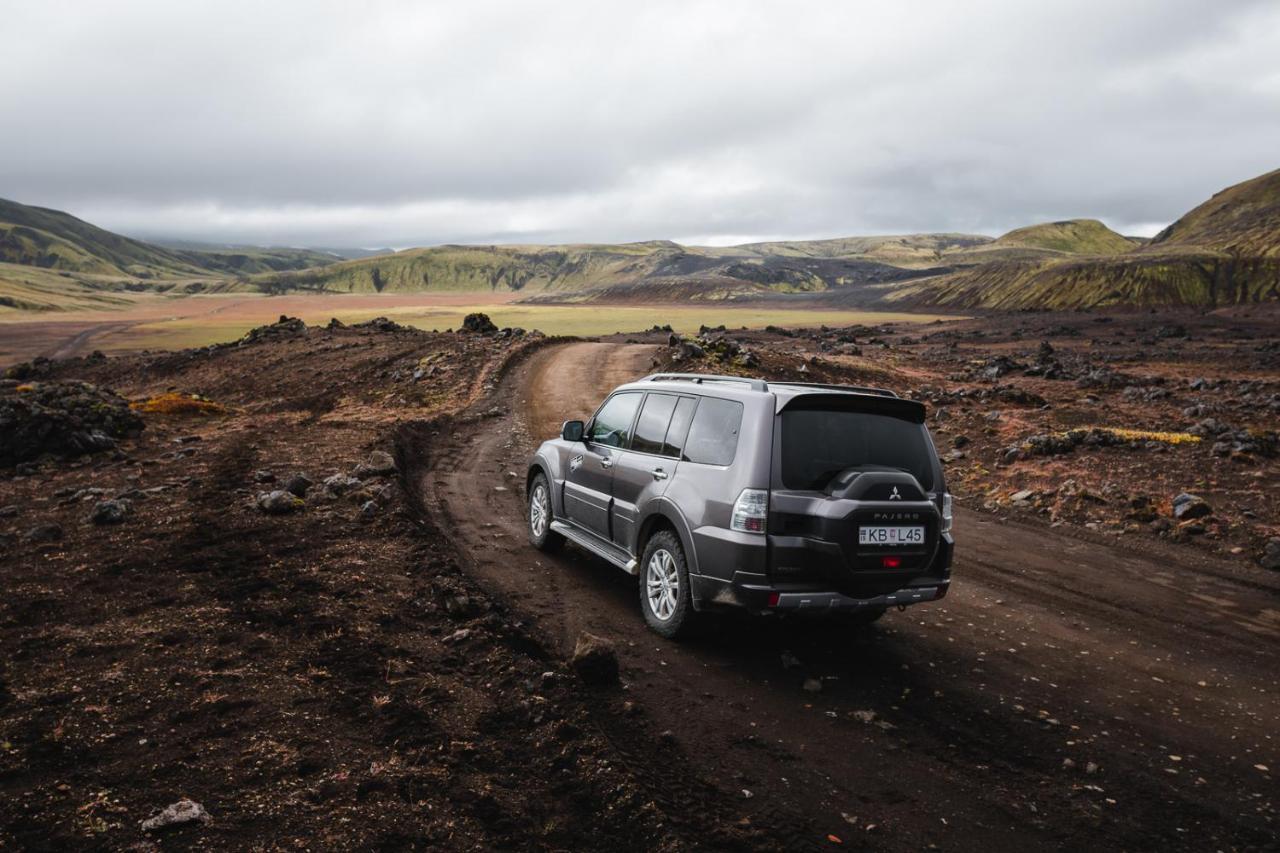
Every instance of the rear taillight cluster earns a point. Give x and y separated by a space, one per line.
750 511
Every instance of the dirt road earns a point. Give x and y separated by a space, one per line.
1069 693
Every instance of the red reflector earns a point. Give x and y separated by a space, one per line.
773 599
891 562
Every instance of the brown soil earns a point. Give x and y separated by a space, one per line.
326 679
304 678
1071 692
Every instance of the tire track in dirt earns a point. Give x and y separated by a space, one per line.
970 723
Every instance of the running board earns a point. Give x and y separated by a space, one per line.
605 550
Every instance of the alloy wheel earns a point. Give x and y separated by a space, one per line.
662 584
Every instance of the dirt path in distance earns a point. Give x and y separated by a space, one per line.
1069 693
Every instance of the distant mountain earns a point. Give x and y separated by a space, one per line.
40 237
1243 220
51 239
1075 263
906 250
1224 252
1070 237
647 271
316 255
50 260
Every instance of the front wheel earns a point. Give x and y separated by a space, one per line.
541 536
665 596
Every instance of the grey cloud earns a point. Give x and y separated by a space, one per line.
393 123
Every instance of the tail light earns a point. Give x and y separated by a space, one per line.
750 511
946 512
891 562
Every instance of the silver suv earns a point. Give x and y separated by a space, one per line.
724 492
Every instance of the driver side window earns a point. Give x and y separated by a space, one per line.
612 424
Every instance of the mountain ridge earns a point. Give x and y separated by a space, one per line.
1224 251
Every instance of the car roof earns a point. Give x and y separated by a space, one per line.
783 392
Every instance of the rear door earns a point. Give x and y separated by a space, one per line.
646 467
852 500
588 484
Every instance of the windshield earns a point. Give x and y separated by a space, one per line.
818 444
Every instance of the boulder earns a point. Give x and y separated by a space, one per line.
64 418
380 463
47 532
285 327
297 484
479 324
689 350
1271 555
177 814
1187 506
110 512
279 502
381 324
339 484
594 660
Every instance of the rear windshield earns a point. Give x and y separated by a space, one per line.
818 444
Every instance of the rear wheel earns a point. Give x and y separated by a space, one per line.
665 596
541 535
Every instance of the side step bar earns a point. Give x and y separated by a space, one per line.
605 550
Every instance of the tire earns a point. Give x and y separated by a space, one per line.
538 517
664 573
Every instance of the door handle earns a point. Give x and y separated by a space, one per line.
606 462
659 474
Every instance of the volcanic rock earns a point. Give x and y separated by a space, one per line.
1187 506
594 660
279 502
110 512
62 418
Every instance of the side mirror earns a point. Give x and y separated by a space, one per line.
571 431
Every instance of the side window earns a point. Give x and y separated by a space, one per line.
651 428
612 424
679 427
713 436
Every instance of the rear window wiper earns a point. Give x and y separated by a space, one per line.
824 479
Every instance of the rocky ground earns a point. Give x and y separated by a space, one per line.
224 626
1140 425
227 622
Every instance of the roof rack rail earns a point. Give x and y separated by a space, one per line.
699 378
857 389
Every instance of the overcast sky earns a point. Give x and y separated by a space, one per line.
411 123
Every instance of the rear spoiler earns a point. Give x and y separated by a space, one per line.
894 407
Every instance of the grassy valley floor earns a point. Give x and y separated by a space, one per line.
156 323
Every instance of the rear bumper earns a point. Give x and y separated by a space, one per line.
751 586
714 593
836 601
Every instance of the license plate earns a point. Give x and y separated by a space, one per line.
890 535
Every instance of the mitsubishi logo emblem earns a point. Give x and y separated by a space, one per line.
894 496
